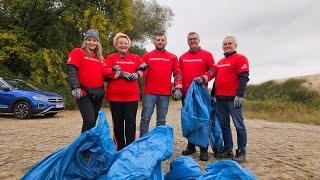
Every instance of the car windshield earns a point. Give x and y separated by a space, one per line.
21 85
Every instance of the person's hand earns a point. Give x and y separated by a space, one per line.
77 93
134 76
199 80
124 75
116 68
177 94
143 67
238 102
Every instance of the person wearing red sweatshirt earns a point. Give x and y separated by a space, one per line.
157 85
230 85
196 65
122 91
85 72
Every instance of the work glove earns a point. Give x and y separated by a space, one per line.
238 102
116 68
77 93
143 67
134 76
177 94
199 80
124 75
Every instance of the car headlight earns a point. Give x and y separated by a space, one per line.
40 98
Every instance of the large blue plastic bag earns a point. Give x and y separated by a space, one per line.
195 115
215 133
226 170
183 168
68 162
142 158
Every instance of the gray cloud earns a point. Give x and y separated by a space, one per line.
280 38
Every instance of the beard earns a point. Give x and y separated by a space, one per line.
161 49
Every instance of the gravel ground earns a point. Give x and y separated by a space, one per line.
276 150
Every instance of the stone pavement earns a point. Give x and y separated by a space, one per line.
275 150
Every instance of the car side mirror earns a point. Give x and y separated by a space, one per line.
4 88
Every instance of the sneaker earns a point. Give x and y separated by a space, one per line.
204 156
191 148
240 156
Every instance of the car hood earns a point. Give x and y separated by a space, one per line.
33 93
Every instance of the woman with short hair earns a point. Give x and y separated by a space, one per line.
122 90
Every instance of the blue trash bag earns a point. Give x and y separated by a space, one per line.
90 155
195 115
183 168
227 170
142 158
215 133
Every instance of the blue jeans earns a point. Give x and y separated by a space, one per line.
226 109
148 103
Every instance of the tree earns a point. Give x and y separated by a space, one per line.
149 18
36 36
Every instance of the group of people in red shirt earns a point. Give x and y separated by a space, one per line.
87 70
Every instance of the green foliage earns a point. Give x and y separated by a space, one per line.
137 50
14 53
37 36
46 68
289 91
282 111
287 101
151 17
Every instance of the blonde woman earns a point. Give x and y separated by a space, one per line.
123 90
85 72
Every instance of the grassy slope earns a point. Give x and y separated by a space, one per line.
292 100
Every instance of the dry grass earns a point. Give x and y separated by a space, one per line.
282 111
312 81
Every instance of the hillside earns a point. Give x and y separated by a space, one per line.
312 81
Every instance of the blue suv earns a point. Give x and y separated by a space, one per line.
23 100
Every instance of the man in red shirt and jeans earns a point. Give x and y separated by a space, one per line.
232 75
196 65
157 85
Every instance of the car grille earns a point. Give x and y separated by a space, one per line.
55 100
56 109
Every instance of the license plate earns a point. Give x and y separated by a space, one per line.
60 105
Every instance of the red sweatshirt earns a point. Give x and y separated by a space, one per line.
196 64
228 68
122 90
158 75
90 69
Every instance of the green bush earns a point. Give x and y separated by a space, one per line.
287 101
289 91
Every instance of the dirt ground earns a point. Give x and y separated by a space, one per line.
275 150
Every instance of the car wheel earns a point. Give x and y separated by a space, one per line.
50 114
22 110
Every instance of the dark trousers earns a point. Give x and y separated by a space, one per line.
89 107
124 122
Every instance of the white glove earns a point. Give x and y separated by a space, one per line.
238 102
77 93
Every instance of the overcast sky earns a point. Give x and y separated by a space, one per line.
281 38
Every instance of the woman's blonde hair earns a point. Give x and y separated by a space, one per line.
98 50
121 35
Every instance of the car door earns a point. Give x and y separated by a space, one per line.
6 97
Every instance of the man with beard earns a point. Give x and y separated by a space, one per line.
157 85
